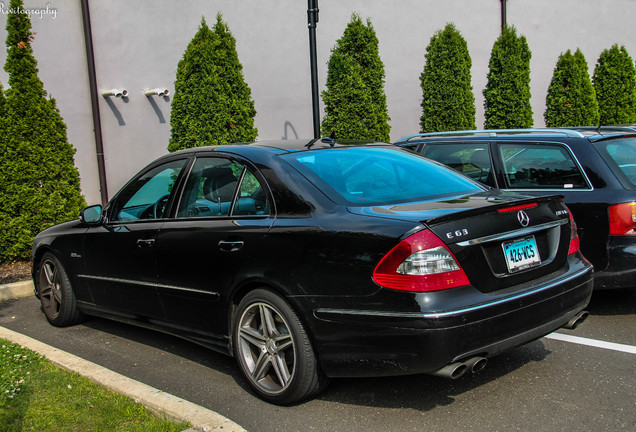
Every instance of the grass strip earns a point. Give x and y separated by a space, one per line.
38 395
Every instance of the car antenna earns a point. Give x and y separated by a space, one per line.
598 129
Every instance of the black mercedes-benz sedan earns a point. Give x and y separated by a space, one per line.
307 260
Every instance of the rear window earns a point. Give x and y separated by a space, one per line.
620 156
375 176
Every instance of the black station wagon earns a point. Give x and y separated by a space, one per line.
307 260
594 169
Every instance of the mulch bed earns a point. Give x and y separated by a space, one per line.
15 272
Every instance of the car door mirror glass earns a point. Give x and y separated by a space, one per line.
92 214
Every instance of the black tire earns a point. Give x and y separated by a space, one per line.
277 359
55 292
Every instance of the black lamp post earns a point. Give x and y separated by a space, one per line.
312 20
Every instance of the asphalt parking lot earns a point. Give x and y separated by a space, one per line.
587 384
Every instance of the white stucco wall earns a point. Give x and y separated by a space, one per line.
139 43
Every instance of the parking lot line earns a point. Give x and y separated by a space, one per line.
593 342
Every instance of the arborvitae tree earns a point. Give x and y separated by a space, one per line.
3 144
615 85
448 102
212 103
507 93
2 110
571 100
39 183
355 103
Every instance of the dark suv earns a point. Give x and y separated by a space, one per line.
594 169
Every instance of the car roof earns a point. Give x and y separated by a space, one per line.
284 146
588 132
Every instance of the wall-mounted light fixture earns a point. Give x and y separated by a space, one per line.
115 92
163 92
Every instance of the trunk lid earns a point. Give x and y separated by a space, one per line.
515 239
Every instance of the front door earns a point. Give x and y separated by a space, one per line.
120 254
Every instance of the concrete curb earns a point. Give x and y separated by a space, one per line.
155 400
16 290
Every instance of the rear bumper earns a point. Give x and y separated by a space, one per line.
375 343
621 271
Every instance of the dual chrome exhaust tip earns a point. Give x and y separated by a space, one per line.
457 369
576 320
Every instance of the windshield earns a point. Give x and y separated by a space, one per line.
620 155
376 176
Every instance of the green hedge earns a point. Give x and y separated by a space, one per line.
507 93
615 85
571 99
39 183
212 103
448 102
355 102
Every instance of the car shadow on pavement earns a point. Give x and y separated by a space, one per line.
427 392
420 392
613 302
163 342
172 363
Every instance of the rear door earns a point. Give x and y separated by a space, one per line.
222 217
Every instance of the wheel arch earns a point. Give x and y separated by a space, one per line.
253 284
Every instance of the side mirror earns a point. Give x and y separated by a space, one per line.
92 214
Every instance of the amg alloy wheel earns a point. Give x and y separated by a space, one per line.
273 349
55 292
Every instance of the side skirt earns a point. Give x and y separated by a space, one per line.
218 343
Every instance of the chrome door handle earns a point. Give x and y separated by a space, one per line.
230 246
145 243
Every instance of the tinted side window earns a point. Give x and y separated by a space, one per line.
251 198
146 197
471 159
620 155
211 190
540 166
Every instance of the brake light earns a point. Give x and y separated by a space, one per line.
517 207
420 262
575 245
622 219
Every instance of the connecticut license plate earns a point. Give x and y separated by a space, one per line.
521 254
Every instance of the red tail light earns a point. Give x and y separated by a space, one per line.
574 236
622 219
420 262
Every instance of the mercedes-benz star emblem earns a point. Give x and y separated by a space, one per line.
523 218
